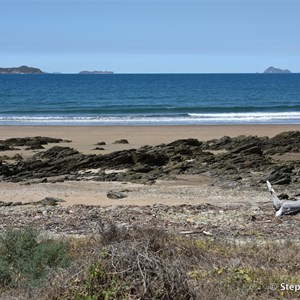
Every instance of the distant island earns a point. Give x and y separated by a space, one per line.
96 72
273 70
21 70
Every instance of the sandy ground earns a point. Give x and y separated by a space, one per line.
193 190
188 190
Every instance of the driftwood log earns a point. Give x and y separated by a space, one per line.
283 207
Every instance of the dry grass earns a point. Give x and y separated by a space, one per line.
143 263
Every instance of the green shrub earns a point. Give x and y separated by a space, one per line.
25 258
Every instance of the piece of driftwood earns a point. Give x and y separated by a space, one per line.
283 207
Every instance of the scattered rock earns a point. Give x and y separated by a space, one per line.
98 148
54 179
2 203
115 195
122 141
283 196
6 148
100 144
51 201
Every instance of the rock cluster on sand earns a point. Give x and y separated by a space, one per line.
31 143
247 160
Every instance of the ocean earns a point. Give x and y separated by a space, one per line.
149 99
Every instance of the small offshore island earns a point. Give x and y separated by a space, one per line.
32 70
273 70
96 72
21 70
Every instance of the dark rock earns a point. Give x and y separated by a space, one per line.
98 148
119 159
5 170
35 146
282 181
5 148
34 181
153 158
2 203
100 144
245 157
57 152
281 174
58 200
17 157
122 141
185 142
17 203
142 168
115 195
28 141
284 142
49 201
283 196
248 149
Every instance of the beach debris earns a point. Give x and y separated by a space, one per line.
115 195
189 232
122 141
283 207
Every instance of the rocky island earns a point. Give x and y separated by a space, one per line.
273 70
96 72
21 70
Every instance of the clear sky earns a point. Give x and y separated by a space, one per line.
151 36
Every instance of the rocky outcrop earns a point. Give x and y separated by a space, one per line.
242 160
36 142
122 141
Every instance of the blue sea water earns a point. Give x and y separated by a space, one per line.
149 99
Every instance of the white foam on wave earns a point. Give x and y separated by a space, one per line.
247 116
191 118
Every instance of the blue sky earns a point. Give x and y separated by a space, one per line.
151 36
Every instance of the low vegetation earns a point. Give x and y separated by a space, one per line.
146 263
25 259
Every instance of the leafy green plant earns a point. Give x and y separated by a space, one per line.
25 258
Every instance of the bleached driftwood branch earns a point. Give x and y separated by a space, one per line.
286 207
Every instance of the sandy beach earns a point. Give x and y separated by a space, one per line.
193 189
84 138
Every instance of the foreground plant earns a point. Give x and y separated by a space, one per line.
147 263
26 257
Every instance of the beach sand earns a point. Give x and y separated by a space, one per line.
84 138
193 189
